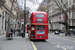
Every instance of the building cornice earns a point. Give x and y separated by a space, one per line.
59 12
7 8
62 20
2 2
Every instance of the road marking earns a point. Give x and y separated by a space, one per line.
33 46
62 38
58 45
50 41
53 43
63 48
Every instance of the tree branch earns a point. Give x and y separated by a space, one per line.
64 5
57 4
61 8
33 1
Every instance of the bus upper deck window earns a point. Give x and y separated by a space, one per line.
39 15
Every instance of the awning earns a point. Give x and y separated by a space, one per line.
39 24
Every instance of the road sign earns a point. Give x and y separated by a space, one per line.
22 22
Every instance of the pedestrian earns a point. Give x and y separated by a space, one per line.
14 31
21 32
18 32
11 32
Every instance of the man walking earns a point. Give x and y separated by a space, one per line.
21 32
14 31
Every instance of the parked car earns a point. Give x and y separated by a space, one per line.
56 32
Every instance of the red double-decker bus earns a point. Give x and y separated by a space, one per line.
39 26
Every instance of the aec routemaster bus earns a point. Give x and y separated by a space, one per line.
27 28
39 26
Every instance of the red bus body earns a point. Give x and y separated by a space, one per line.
39 26
27 28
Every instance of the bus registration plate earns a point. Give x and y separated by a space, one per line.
40 36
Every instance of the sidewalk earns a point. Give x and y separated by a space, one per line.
18 43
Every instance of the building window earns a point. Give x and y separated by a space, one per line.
59 17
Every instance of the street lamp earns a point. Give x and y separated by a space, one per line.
24 18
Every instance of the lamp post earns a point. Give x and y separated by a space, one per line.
24 18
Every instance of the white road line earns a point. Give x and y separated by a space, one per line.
57 45
53 43
63 48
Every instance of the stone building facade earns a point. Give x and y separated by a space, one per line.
5 12
57 16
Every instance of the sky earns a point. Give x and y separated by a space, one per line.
32 5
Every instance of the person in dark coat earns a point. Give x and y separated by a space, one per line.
18 32
21 32
14 31
11 32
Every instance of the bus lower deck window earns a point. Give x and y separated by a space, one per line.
40 27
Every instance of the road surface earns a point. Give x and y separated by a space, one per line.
56 42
